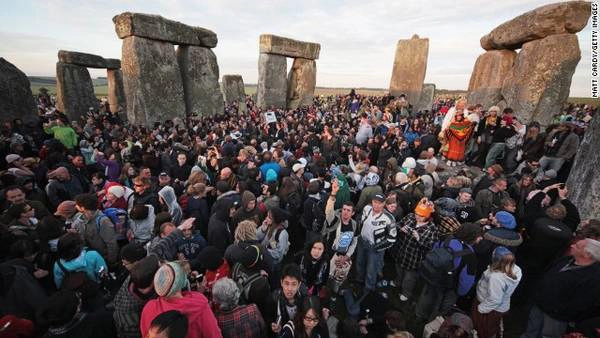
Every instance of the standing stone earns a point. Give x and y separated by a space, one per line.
156 27
16 99
116 92
426 98
410 65
81 59
584 182
113 63
272 82
273 44
152 81
557 18
489 72
234 90
302 81
538 84
74 90
200 76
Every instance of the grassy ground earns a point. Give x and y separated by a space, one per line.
101 90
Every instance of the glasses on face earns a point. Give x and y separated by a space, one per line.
311 319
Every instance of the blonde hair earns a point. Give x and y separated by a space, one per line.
245 231
505 265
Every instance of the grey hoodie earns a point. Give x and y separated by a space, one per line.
494 290
168 195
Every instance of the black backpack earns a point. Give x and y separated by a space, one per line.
244 280
318 211
437 268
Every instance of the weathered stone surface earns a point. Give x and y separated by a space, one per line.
426 99
81 59
234 90
152 81
273 44
584 182
113 63
74 90
272 81
302 81
16 99
158 28
557 18
200 76
410 65
489 72
538 84
116 92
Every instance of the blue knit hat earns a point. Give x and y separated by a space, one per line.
500 252
506 220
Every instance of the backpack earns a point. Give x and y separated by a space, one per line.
437 268
119 218
318 211
78 281
244 280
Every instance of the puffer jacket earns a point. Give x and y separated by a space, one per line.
495 288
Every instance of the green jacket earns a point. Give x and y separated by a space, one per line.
66 135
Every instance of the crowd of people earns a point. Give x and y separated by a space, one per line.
353 217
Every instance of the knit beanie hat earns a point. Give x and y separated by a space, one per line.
169 279
409 163
446 206
506 219
424 208
500 252
66 209
116 190
250 256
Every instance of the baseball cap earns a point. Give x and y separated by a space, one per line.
297 167
379 197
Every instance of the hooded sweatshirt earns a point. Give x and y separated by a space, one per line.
168 195
142 229
219 232
494 290
243 213
89 262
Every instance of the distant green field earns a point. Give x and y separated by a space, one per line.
101 90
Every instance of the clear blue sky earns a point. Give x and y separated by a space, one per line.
357 38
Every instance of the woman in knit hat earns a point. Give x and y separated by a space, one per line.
114 198
494 290
171 285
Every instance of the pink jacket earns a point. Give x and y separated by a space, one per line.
201 320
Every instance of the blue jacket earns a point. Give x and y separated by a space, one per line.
466 265
91 262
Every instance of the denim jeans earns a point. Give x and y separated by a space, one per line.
406 281
496 150
540 324
434 302
547 163
368 264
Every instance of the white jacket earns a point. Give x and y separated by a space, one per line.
494 290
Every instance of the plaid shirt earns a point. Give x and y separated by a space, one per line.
410 251
241 322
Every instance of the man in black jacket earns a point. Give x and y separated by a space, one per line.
569 292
